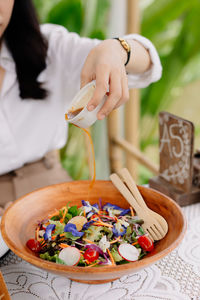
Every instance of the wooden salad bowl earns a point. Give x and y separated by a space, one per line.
19 222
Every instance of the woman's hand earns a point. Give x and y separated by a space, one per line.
105 64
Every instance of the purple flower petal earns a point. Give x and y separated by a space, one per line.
90 209
68 227
96 206
119 232
48 231
125 212
94 247
136 228
72 228
100 203
84 203
91 213
113 206
87 225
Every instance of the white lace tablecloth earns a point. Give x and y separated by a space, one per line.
177 276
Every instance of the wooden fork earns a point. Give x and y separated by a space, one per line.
128 180
151 225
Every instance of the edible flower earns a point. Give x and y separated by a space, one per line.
96 206
125 212
113 210
104 244
90 209
87 225
119 228
72 228
49 229
123 222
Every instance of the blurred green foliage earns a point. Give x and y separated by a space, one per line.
74 11
86 17
173 27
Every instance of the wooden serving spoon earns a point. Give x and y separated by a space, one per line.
130 183
151 225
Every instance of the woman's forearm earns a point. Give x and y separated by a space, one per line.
105 63
140 60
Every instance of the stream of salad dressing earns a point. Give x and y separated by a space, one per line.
74 111
93 158
92 150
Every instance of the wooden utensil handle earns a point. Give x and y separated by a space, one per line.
124 173
126 193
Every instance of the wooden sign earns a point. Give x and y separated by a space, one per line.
176 151
179 175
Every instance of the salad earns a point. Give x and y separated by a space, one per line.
91 235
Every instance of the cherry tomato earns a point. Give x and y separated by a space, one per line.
146 243
34 245
91 255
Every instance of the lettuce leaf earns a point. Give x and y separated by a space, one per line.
59 227
48 257
116 255
93 233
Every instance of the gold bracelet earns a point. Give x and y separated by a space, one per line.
126 47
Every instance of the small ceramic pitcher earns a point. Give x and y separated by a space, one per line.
78 113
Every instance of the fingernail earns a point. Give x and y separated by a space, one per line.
101 116
91 107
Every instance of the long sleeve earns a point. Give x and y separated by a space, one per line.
70 51
155 71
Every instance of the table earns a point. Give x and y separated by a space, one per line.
175 277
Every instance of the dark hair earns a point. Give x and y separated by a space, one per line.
28 48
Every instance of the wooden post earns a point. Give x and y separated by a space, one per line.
132 108
135 153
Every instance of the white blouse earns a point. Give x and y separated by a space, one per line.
30 128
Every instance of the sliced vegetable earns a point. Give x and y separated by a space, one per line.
91 255
94 247
79 221
70 256
128 252
34 245
111 257
146 243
